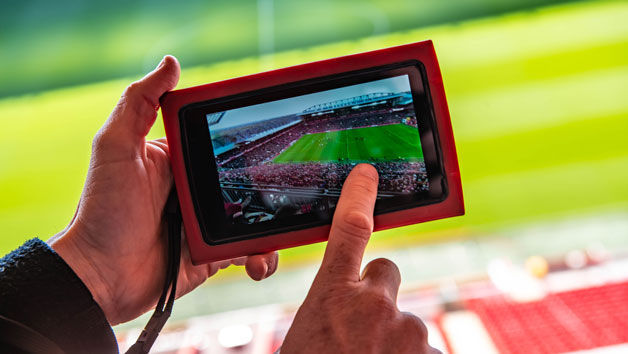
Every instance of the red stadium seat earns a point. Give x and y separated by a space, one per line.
562 322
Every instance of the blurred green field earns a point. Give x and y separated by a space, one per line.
538 101
390 142
51 44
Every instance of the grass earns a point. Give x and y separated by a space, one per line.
390 142
537 100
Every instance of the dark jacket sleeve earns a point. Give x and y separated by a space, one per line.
39 291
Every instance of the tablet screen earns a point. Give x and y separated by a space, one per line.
298 151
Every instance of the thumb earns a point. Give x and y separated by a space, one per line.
136 111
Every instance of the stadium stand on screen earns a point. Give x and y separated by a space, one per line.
291 157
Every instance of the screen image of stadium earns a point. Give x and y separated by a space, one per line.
291 156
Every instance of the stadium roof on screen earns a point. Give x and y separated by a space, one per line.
355 102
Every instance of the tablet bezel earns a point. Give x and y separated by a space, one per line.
202 170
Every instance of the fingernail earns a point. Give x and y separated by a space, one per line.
271 270
265 273
162 62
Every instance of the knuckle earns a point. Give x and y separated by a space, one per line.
356 224
132 90
99 140
105 139
134 96
413 324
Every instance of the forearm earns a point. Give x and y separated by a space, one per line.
40 291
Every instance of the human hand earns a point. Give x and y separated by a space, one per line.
116 242
343 311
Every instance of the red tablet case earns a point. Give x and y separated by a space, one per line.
173 101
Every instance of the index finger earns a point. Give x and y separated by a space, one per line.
352 225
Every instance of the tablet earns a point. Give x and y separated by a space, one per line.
259 161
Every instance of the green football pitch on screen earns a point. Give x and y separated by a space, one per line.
382 143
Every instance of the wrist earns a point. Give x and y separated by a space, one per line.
83 263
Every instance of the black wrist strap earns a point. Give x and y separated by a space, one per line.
172 213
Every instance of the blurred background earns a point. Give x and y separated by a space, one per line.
538 94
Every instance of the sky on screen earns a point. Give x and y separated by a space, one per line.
279 108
